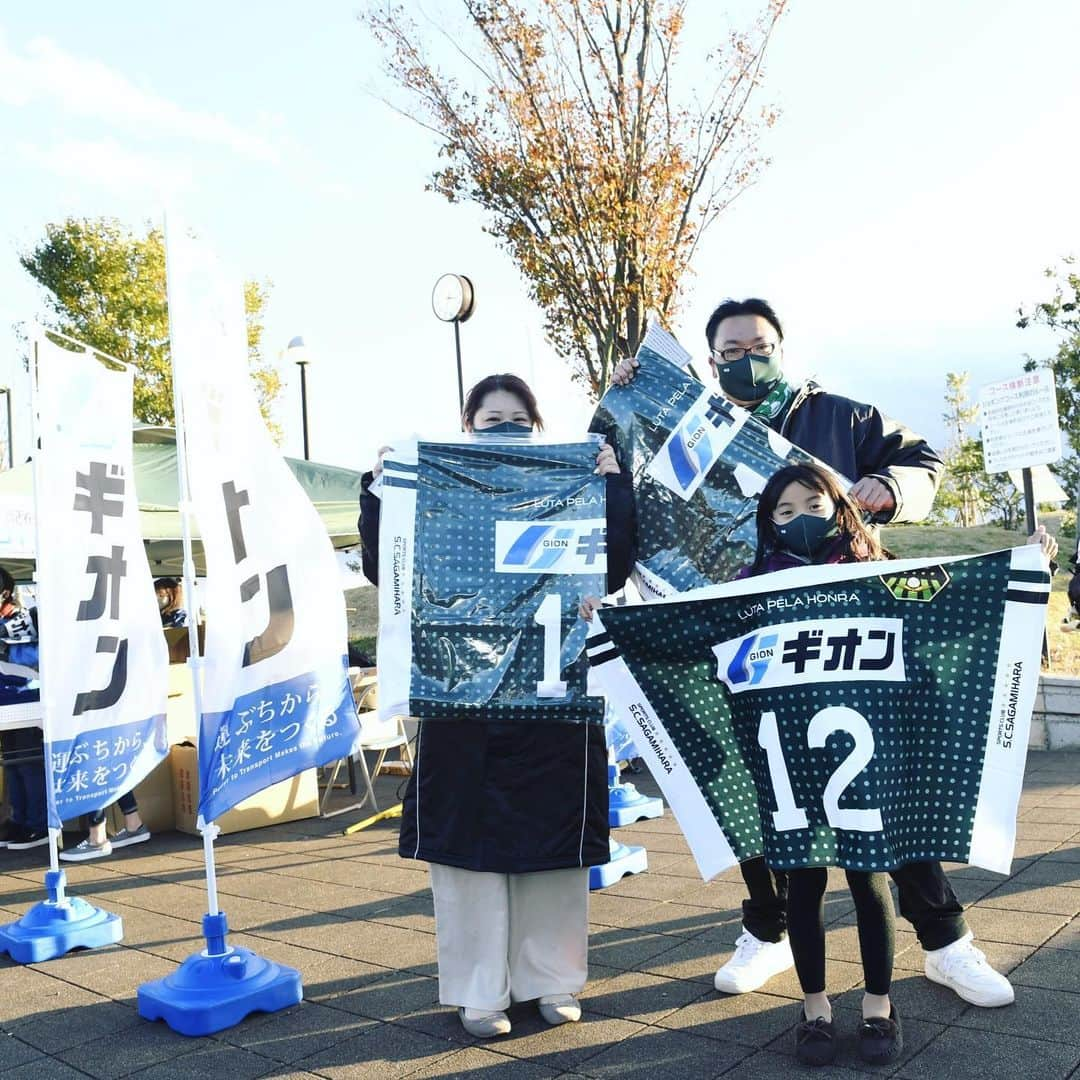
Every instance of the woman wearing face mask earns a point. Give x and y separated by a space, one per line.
513 814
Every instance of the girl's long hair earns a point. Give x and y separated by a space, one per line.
861 542
512 384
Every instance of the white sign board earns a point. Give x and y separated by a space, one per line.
17 538
1043 484
1020 422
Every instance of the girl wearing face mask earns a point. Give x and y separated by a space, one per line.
803 518
496 809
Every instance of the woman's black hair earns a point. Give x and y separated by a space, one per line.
7 582
511 384
862 544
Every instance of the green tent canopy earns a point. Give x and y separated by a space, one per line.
333 491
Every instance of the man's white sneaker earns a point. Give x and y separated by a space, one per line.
755 962
963 968
484 1025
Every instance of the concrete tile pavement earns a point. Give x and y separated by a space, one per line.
357 922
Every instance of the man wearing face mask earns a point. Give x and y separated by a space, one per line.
896 473
896 476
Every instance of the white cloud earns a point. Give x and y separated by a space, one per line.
107 164
90 89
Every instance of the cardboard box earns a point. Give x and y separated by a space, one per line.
180 719
291 800
155 798
179 642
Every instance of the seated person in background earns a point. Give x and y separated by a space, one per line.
24 771
170 595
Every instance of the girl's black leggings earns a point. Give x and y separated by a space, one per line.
806 926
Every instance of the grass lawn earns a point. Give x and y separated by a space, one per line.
362 608
918 541
904 541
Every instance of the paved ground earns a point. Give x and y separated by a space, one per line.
357 922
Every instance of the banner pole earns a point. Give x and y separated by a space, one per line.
61 923
218 986
56 882
195 659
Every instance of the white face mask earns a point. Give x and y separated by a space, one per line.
162 602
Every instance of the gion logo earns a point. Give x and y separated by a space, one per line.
813 651
541 547
752 659
690 450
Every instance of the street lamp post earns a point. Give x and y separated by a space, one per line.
298 352
453 300
8 434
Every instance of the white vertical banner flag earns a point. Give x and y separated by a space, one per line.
104 659
276 693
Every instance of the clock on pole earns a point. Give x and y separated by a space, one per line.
453 300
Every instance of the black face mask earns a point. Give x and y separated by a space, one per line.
507 427
750 379
806 534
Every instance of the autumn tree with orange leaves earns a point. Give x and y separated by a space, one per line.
596 176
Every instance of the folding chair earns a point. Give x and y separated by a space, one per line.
380 737
376 736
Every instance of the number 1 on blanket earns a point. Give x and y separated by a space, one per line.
786 815
549 616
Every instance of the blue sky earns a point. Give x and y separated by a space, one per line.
923 175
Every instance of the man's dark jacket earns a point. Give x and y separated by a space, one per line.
857 440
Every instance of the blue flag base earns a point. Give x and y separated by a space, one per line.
58 925
215 989
626 804
624 860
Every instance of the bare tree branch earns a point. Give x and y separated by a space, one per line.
594 175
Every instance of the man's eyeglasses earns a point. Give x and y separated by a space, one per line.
729 356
